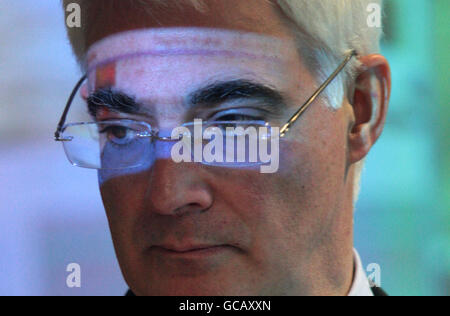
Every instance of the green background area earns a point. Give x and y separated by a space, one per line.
403 220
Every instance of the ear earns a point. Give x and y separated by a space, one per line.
370 105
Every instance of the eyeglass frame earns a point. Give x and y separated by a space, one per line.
283 130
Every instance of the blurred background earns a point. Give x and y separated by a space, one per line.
51 214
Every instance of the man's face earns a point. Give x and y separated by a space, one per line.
260 234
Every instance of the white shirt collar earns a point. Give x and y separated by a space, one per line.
360 286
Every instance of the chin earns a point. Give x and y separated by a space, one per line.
191 289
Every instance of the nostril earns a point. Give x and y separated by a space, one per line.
190 208
205 210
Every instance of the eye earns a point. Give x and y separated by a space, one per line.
119 135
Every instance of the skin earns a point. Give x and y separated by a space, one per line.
287 233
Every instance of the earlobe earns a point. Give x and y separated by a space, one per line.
370 104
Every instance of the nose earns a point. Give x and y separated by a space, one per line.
177 188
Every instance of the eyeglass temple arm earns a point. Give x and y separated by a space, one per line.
66 109
302 109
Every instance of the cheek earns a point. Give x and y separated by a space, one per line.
295 202
122 195
316 167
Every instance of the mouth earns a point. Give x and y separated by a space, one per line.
190 251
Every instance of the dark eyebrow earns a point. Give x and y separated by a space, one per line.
112 100
220 92
212 94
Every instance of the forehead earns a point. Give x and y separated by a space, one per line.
263 17
174 60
